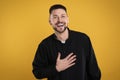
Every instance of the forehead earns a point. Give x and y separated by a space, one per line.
58 12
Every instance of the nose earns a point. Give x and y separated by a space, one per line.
59 19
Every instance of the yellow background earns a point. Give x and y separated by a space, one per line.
24 23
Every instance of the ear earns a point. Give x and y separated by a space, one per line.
50 22
68 19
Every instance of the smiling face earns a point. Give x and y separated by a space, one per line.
59 20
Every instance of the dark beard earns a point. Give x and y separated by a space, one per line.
60 31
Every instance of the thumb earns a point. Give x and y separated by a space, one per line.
59 55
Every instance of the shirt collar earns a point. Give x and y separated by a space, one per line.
69 32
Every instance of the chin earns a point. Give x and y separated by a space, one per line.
60 31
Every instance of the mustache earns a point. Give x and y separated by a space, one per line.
60 23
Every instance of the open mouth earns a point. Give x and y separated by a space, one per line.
60 24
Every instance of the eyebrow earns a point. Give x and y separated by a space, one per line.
56 15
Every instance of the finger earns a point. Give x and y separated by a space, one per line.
69 56
72 57
72 61
59 55
70 65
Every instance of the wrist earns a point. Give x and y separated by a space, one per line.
57 68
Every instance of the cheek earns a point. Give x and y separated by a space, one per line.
66 21
53 22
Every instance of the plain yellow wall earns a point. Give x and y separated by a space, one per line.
24 23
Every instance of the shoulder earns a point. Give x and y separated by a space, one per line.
47 40
80 38
77 34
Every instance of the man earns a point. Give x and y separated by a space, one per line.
66 54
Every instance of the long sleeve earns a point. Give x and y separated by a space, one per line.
86 67
41 68
94 72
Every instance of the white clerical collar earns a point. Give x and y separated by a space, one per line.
63 42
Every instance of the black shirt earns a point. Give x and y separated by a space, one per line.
86 67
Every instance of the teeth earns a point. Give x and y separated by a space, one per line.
60 24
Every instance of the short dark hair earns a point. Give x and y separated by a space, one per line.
57 6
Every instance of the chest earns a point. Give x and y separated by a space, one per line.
65 50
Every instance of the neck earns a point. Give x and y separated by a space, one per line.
62 36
